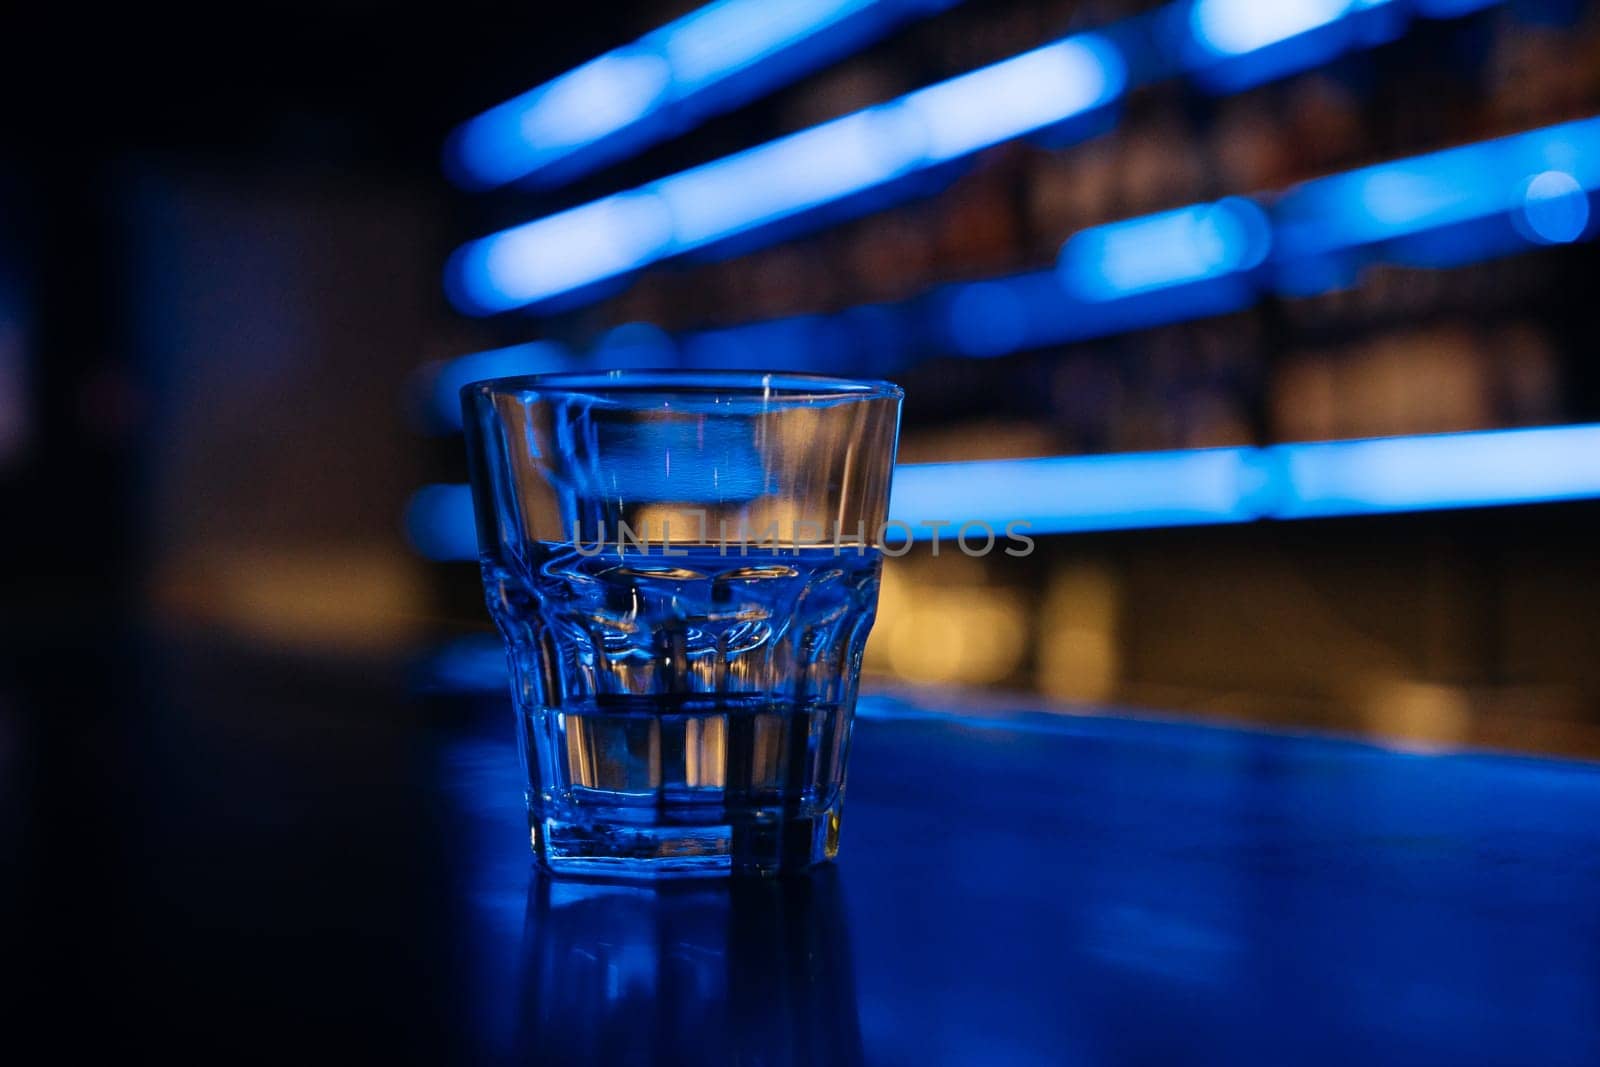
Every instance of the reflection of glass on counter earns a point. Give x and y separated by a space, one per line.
744 972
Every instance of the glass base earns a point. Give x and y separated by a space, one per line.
760 844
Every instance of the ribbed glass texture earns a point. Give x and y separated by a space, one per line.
684 568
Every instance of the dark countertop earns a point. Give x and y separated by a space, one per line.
238 856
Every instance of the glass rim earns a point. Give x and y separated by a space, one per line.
780 385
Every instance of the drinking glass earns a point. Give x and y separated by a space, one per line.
684 567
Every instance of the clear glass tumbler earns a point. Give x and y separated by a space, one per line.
684 567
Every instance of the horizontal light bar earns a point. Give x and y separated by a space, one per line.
708 61
1191 244
1192 487
1487 199
1238 27
1424 473
1532 173
1229 45
1079 493
441 383
817 166
568 255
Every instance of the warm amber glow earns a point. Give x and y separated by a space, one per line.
1078 650
705 752
356 598
1417 715
939 622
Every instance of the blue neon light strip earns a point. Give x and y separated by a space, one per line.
706 62
1233 44
1438 471
1080 493
443 385
1459 205
1228 28
1194 487
822 165
1161 251
569 256
1526 172
1456 206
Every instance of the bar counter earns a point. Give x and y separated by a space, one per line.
249 857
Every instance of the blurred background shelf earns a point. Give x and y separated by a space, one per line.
227 359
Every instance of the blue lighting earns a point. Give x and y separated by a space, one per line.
988 319
1442 9
1230 45
721 38
468 664
439 523
871 340
708 61
1555 207
558 254
868 148
1073 494
1459 205
1015 97
802 343
635 345
1076 494
1542 174
599 98
1226 43
1192 263
1141 255
1238 27
1424 473
1462 204
782 179
538 357
1004 315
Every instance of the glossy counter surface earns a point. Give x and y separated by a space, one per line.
252 859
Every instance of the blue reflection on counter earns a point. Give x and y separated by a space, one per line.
1101 889
753 971
750 971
